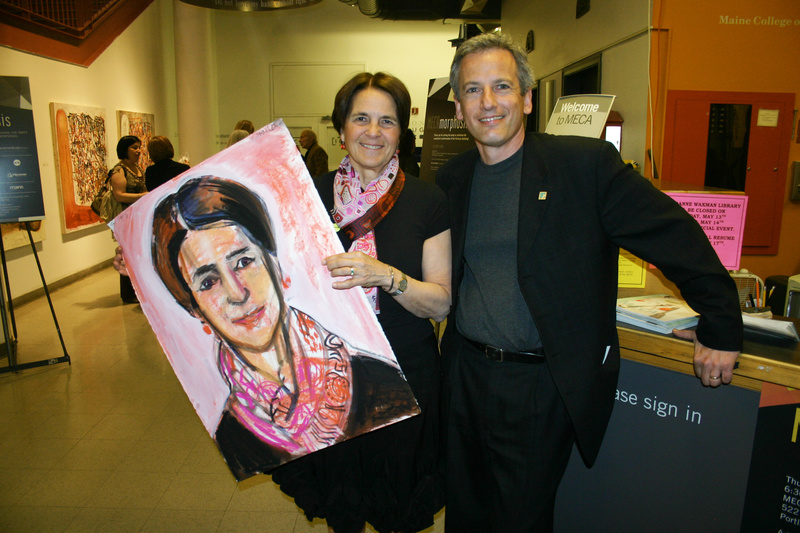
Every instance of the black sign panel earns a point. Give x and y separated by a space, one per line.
445 135
675 457
20 181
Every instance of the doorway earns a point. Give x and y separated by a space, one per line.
733 141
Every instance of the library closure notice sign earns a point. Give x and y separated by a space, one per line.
722 218
581 114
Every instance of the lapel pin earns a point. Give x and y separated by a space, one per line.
542 195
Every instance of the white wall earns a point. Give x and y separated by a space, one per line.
561 39
135 73
328 32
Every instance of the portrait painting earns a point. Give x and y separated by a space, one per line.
80 148
227 263
141 125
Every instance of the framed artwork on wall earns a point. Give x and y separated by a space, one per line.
79 135
141 125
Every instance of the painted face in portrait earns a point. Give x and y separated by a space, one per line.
371 131
231 283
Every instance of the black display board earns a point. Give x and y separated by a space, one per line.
445 135
20 201
676 457
773 492
20 182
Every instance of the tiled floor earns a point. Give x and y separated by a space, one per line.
110 442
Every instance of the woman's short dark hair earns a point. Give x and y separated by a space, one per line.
343 103
160 148
201 202
124 143
407 142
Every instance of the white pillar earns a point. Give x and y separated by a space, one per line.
196 81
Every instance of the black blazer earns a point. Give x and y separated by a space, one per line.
578 204
163 171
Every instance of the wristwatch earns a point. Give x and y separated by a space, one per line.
401 286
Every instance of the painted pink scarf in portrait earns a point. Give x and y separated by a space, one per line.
311 419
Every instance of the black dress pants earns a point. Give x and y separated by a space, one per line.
126 290
508 439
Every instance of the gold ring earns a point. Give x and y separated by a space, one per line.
352 271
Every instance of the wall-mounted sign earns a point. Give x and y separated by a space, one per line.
251 5
580 114
722 218
631 273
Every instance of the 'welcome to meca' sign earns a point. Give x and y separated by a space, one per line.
580 114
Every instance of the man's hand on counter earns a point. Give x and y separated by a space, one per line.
713 367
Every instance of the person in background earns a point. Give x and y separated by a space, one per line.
235 137
164 168
408 161
127 186
316 158
531 349
396 232
245 125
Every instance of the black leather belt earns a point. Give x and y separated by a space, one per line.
497 354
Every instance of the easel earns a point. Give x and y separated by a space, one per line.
11 347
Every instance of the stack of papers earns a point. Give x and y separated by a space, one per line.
660 313
781 328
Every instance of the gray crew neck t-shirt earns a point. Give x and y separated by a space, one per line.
491 308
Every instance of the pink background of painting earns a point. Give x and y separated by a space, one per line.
270 165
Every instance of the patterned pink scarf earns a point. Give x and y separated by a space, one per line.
316 414
357 212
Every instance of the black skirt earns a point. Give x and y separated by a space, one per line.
390 477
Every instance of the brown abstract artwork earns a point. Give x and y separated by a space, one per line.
80 147
141 125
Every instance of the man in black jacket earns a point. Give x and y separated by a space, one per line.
316 158
531 347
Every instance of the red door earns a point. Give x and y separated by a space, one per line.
686 144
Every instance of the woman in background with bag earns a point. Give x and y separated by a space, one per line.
127 186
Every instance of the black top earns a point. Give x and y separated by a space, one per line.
419 214
161 172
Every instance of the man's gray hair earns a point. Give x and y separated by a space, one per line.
492 41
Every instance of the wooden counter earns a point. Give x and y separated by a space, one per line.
762 360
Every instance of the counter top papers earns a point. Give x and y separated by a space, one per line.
660 313
781 328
